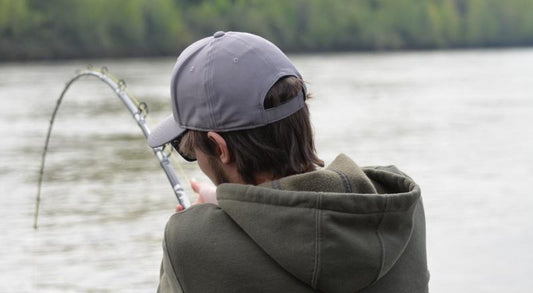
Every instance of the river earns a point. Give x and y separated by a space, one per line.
459 122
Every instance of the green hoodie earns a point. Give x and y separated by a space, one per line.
338 229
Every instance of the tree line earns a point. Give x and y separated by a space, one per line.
36 29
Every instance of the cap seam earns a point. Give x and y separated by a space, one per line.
209 83
259 106
277 75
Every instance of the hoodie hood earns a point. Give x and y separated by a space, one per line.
338 229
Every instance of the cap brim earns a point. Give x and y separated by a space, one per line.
165 132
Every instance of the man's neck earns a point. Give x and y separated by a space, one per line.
264 177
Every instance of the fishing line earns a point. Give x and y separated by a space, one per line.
139 110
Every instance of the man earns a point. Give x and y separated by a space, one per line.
277 222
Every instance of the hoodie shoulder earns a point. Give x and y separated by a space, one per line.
208 250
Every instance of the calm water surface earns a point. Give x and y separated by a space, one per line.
460 123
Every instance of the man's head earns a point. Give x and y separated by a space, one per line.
239 108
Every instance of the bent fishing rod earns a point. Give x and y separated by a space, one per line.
139 111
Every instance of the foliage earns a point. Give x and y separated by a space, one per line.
100 28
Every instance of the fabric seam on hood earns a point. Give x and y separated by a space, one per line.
318 239
381 242
276 184
345 180
312 208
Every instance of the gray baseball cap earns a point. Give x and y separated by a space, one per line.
219 83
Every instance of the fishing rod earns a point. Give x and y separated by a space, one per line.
139 112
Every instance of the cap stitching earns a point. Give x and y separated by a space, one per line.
209 83
279 74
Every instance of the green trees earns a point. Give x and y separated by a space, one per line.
88 28
94 28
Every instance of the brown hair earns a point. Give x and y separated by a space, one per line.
282 148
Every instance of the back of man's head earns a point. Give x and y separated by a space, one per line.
246 90
282 148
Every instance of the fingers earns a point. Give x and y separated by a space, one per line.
195 186
198 188
207 192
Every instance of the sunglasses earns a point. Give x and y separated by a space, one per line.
176 145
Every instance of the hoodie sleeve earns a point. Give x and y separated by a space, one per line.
168 282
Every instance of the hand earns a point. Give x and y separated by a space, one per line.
207 193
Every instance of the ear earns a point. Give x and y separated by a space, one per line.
224 153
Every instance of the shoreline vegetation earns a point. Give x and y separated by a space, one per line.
66 29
